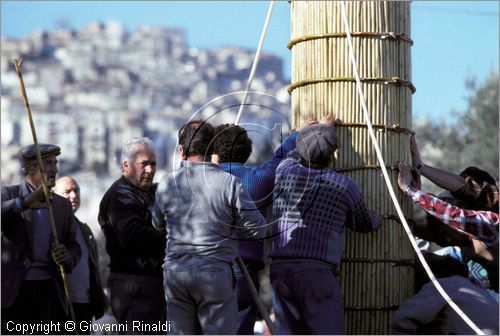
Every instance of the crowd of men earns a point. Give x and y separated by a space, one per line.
173 245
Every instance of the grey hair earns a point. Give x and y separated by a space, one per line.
129 149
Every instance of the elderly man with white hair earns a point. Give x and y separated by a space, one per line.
135 248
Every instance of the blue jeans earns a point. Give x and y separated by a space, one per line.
136 298
307 298
201 297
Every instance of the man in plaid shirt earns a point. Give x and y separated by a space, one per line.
478 224
474 186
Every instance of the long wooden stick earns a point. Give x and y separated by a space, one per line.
55 238
256 297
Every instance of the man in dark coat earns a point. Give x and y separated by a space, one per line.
135 248
32 288
85 286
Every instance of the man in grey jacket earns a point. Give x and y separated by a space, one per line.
202 209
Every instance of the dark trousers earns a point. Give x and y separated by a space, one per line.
247 309
137 298
307 298
83 312
36 302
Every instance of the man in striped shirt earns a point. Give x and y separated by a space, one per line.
312 206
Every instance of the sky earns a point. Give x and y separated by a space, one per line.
453 40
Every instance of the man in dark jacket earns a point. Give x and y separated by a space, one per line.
135 248
32 288
85 286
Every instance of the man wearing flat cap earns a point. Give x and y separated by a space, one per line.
32 288
312 206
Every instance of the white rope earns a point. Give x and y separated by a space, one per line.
255 61
389 184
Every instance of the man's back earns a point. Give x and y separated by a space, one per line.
202 208
313 205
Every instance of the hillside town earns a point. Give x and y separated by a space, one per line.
194 221
91 89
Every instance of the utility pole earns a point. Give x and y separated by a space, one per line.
377 268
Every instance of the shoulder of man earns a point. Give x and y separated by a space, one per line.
59 200
11 190
347 183
128 194
290 161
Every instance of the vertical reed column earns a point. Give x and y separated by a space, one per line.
377 268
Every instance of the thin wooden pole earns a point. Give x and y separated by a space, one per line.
256 297
55 238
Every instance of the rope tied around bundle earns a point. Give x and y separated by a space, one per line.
391 80
392 36
390 307
394 262
382 128
397 219
346 169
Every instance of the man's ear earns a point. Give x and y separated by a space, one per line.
125 166
183 152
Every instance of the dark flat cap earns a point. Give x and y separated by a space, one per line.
28 153
316 143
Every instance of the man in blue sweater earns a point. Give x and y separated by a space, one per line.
233 148
312 206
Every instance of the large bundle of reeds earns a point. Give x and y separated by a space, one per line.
377 268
